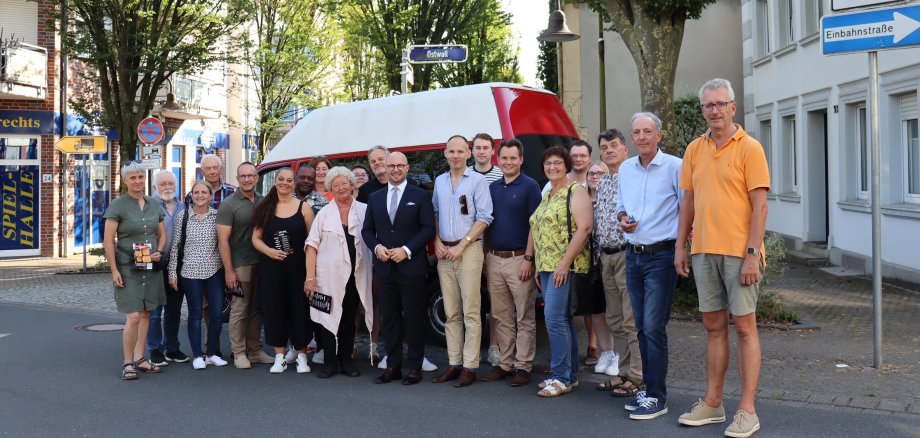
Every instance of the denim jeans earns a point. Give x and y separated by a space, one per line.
194 290
651 280
165 326
563 338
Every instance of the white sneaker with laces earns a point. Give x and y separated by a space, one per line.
383 363
614 368
279 366
216 360
427 365
319 357
495 355
602 363
291 355
199 363
302 366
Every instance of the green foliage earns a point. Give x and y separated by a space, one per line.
102 264
492 54
689 123
131 47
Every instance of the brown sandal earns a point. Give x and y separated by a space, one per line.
151 368
629 388
608 384
128 374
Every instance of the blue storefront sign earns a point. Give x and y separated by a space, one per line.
20 208
27 122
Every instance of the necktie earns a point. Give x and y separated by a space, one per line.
393 201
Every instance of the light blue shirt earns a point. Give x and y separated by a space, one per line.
652 197
452 225
169 221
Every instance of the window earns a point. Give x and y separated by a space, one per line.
789 165
910 128
762 15
862 145
766 139
812 11
21 191
175 165
784 23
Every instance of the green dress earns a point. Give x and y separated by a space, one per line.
551 236
143 289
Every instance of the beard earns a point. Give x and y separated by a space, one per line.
167 195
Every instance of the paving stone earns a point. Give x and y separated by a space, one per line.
864 402
887 404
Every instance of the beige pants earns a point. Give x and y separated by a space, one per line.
509 297
245 318
619 314
460 283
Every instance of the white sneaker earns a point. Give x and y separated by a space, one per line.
495 355
199 363
291 355
614 368
279 366
427 365
311 347
216 360
319 357
602 362
383 363
302 366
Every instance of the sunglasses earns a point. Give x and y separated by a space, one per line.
463 206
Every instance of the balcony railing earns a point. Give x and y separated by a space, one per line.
23 72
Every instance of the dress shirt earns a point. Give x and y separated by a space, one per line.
220 194
452 225
651 196
390 193
606 226
511 224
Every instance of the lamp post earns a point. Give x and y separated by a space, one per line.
558 32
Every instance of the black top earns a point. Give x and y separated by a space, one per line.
352 251
287 234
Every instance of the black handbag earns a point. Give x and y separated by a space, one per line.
581 284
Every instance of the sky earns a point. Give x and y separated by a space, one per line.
527 21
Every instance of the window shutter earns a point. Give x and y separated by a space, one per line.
909 106
19 19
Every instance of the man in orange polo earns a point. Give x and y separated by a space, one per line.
726 180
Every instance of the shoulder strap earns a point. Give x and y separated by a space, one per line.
182 241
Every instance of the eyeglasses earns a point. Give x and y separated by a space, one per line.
463 207
553 163
595 174
247 176
719 105
397 166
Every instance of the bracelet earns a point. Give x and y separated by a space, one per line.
309 280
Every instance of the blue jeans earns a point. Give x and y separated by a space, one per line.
194 290
563 338
165 326
651 280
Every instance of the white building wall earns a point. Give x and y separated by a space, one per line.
797 82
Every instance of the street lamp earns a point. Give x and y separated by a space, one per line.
558 32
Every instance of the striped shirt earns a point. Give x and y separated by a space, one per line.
493 174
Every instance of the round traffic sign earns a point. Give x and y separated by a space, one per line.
150 130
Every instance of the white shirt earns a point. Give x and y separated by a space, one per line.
391 192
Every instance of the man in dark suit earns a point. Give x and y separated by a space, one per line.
398 225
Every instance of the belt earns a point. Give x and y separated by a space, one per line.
454 243
613 249
507 254
639 249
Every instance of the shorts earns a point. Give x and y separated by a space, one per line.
718 284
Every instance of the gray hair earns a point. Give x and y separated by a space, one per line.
646 114
161 174
714 84
212 157
377 148
336 172
131 167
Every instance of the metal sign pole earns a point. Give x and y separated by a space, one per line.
876 212
86 201
404 71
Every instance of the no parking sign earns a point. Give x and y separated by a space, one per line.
150 130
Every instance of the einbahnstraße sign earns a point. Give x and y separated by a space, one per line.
876 29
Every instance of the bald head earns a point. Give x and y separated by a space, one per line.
397 168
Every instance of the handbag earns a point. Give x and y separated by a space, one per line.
580 283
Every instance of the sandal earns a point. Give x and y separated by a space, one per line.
554 389
609 385
127 374
629 388
151 368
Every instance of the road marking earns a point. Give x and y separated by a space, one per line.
3 335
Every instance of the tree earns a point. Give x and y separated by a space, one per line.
492 55
131 48
288 58
653 31
548 63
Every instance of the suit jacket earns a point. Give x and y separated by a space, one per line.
413 228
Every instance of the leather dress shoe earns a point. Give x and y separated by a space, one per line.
467 377
350 371
389 375
520 378
327 372
451 373
497 373
412 377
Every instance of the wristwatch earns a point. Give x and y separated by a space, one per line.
753 251
529 258
468 239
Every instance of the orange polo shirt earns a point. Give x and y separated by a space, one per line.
720 180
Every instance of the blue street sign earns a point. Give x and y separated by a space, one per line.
876 29
430 54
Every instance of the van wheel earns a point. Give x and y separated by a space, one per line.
436 316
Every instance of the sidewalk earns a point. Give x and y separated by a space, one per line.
798 366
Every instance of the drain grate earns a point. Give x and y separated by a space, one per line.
106 327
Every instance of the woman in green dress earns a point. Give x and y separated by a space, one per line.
135 238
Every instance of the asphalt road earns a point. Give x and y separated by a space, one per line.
58 381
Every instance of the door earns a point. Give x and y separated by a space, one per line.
816 199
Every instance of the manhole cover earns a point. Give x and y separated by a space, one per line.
100 327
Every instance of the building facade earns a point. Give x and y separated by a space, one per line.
809 111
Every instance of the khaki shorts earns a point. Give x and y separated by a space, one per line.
718 284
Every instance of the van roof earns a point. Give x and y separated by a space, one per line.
410 120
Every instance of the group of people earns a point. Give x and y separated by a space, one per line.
605 240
